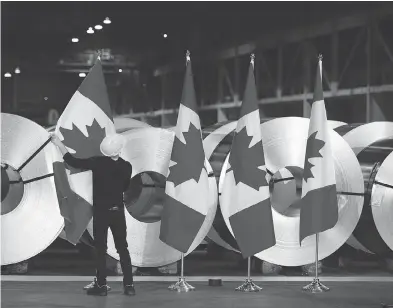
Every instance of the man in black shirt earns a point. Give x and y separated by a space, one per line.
111 177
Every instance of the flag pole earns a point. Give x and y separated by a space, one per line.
316 286
316 255
249 268
182 285
249 285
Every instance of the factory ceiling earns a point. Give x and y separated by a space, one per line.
39 34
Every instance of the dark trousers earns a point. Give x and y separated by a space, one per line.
115 219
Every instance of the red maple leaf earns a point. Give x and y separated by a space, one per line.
189 157
245 161
312 150
85 147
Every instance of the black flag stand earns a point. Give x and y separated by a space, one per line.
316 286
249 285
182 285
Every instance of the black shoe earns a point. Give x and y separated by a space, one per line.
97 290
129 290
91 285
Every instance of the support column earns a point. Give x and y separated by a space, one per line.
220 91
368 72
221 115
279 73
262 112
257 68
203 88
237 77
163 88
15 92
335 63
376 111
306 81
261 60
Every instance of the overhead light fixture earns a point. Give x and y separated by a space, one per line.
120 70
82 75
90 30
46 98
17 70
165 35
7 75
107 21
98 27
75 40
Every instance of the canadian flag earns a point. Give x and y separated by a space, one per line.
245 196
85 122
319 206
187 186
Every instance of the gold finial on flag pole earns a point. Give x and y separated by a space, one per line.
320 57
252 59
98 55
188 58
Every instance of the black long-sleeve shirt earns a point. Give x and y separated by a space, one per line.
110 178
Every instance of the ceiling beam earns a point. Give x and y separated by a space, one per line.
276 100
278 38
74 64
87 70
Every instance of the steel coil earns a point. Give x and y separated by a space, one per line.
30 215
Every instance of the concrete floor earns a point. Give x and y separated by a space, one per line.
199 263
155 294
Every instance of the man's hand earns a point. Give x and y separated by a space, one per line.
55 140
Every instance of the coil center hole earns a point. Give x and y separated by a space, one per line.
285 194
12 189
144 197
